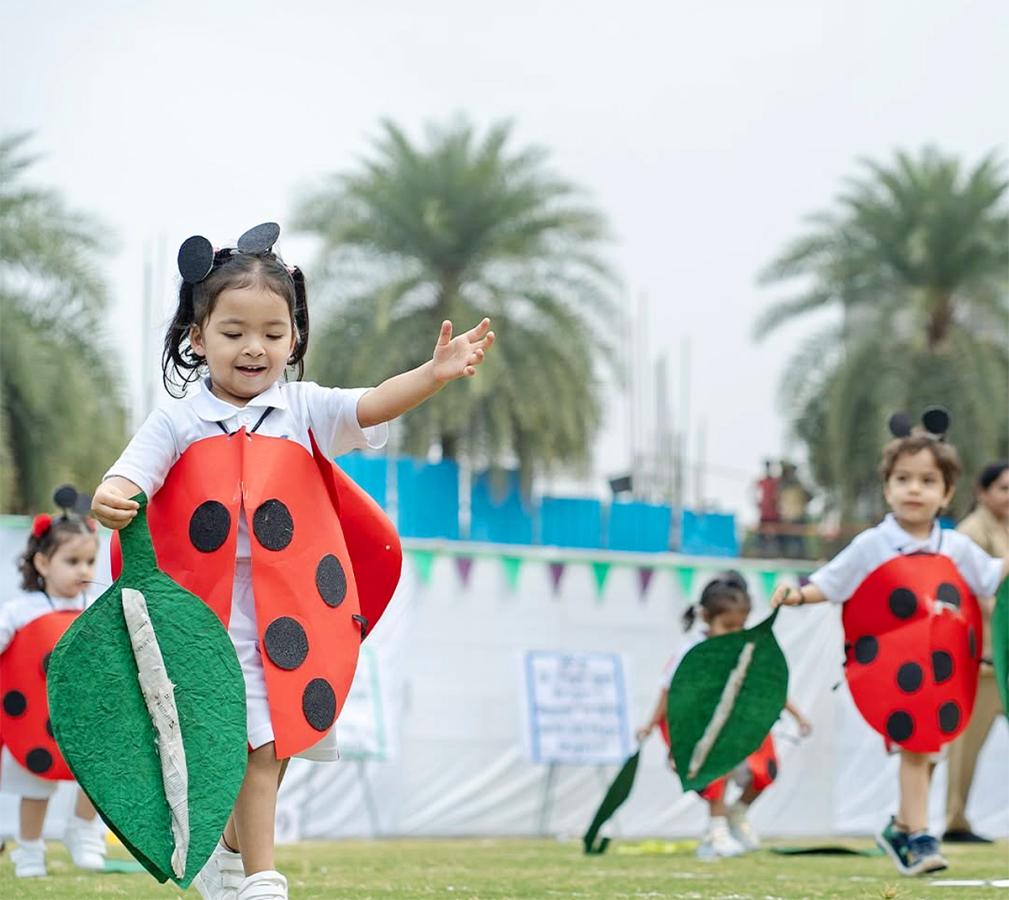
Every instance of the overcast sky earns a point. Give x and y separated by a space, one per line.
704 130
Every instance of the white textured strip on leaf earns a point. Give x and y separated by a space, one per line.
159 695
726 702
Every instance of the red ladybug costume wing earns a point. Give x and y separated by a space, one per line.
372 542
194 521
912 643
24 715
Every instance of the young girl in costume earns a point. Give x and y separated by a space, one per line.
724 606
912 623
57 567
242 323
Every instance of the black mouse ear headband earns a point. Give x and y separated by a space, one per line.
197 254
935 420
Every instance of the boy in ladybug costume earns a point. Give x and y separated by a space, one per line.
247 512
57 567
912 623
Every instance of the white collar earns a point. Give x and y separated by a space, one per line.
213 409
904 543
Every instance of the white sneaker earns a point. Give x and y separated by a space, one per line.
740 827
29 859
85 843
268 885
222 875
719 843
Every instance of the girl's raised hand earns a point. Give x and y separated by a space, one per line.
458 357
112 505
785 596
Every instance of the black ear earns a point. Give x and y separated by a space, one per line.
65 496
900 424
259 239
83 505
936 420
196 259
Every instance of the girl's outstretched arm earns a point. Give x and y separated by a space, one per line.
788 596
453 358
805 726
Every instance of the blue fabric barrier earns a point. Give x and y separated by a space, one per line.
643 527
498 513
571 522
708 534
428 498
369 472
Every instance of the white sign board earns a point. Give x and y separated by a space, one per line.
576 708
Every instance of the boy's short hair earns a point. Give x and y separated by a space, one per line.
945 455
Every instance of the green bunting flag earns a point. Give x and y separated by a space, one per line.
618 792
723 700
424 561
512 567
1000 643
768 581
686 574
600 570
147 703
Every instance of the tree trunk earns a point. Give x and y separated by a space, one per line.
450 446
940 321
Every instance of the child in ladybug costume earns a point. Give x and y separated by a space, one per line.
912 623
248 512
56 568
724 607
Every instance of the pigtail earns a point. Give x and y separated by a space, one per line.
31 579
177 357
689 617
300 323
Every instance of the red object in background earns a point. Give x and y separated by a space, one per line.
767 499
913 637
24 708
325 562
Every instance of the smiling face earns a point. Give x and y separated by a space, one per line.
916 490
246 340
70 568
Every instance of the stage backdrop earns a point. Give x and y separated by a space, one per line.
497 669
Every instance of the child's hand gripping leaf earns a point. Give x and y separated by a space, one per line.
147 702
724 697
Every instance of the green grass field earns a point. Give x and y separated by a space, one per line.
469 869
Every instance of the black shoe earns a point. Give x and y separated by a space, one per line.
965 836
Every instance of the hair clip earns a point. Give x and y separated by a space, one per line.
935 420
197 254
41 524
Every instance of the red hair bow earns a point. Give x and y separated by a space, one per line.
41 524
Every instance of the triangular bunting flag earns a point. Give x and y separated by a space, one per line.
600 570
768 580
686 574
645 574
464 565
556 574
424 561
512 565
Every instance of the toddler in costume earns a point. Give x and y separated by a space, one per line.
240 325
56 568
725 605
912 623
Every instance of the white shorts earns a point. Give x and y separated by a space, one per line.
17 780
244 635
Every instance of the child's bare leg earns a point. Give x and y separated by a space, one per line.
717 808
750 793
256 809
84 808
230 832
915 774
33 815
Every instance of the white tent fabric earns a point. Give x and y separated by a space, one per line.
448 757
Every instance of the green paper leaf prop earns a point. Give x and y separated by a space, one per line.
723 699
618 792
105 730
1000 643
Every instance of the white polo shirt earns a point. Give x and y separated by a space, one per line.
27 606
840 578
294 408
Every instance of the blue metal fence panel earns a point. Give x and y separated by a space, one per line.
571 522
639 526
708 534
497 511
428 498
368 471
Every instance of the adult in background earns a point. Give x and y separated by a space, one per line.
793 498
768 512
987 526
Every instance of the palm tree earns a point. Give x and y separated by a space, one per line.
61 418
457 229
915 258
